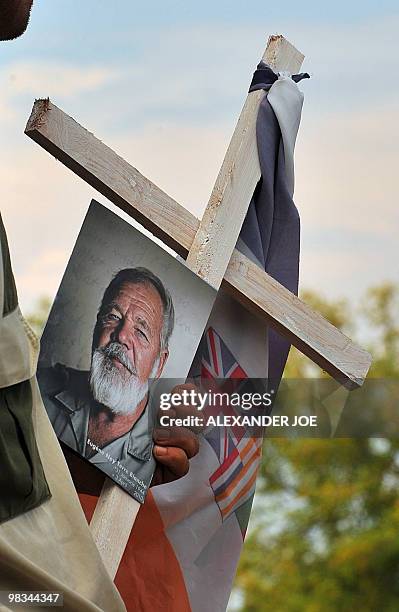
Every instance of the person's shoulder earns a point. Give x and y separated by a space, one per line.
56 378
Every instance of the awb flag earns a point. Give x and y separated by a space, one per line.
233 482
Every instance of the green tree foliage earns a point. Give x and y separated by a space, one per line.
378 315
325 526
328 534
381 309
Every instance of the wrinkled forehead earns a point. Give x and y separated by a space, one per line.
137 302
131 294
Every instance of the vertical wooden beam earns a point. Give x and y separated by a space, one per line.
208 256
112 523
221 224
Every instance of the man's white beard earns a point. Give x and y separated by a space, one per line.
119 390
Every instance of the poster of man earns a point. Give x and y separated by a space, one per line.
126 313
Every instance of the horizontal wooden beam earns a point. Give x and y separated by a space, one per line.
123 185
111 175
305 328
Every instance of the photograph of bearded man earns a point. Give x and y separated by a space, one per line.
103 414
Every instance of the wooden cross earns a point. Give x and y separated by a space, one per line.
209 248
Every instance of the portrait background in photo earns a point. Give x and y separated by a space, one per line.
107 244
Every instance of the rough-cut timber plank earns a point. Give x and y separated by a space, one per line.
111 175
281 55
110 533
141 199
306 329
238 176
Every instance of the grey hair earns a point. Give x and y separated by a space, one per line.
141 276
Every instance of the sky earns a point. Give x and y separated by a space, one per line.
163 84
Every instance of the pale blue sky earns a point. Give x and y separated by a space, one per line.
163 83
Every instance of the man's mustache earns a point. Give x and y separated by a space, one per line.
115 350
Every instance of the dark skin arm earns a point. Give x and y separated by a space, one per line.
172 453
14 18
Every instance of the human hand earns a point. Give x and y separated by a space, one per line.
175 446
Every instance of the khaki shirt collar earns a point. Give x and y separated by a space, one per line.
139 438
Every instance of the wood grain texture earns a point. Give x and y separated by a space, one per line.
281 55
110 174
102 168
111 524
239 174
311 333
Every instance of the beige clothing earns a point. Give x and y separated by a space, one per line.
50 547
16 339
